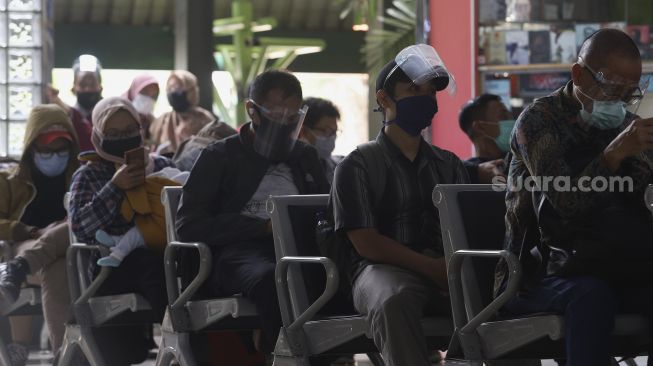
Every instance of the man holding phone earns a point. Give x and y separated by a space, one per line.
595 254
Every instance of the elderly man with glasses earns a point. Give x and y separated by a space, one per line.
585 247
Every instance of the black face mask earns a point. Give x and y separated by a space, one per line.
119 147
178 101
88 100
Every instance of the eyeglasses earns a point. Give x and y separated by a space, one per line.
325 132
117 134
626 91
50 154
282 115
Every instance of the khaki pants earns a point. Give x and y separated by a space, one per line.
47 261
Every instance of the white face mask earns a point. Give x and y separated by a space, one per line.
51 164
144 104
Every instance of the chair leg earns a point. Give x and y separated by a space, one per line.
90 348
376 359
174 345
630 362
70 345
79 338
290 361
4 356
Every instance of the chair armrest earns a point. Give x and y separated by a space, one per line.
648 197
281 274
80 293
176 299
454 273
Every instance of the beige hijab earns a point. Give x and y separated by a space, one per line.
106 108
176 127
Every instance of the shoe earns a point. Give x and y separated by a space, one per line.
12 275
108 261
18 354
105 239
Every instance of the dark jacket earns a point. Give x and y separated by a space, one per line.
224 178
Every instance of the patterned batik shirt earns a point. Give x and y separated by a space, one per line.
551 140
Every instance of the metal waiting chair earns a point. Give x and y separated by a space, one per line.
307 331
472 223
92 311
188 312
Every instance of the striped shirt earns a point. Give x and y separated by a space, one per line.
406 213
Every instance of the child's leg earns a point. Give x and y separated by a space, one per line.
130 241
105 239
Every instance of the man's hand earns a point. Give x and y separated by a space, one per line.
52 95
490 169
636 138
438 273
129 176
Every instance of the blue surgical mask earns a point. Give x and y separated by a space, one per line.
505 130
605 115
415 113
325 145
51 164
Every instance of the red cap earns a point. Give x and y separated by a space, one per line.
47 137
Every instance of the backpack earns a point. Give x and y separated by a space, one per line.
336 246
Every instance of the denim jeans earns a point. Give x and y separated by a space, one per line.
589 306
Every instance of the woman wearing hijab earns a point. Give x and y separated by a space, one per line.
97 192
186 119
143 93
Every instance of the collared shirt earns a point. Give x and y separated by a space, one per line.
407 213
96 201
550 140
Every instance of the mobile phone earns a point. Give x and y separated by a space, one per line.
135 156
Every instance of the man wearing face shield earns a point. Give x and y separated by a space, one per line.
397 260
591 257
223 201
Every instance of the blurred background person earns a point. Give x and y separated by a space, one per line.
185 120
143 93
320 129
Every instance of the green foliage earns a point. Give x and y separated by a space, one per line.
395 31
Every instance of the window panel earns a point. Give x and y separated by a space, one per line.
21 100
24 5
16 136
24 66
24 29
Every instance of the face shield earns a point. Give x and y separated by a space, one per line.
422 64
277 132
613 88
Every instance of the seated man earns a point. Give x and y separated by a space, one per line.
398 264
595 240
488 123
320 130
224 200
32 217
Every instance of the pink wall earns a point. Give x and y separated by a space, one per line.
453 34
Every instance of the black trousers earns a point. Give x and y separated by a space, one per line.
140 272
248 268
